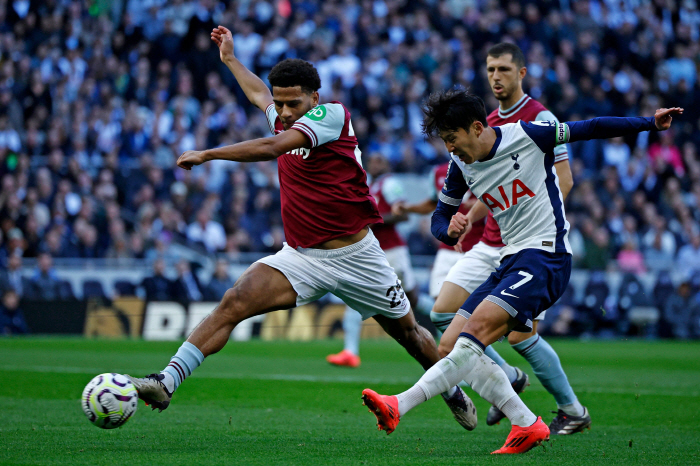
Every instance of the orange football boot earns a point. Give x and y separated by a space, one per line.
385 408
344 358
522 439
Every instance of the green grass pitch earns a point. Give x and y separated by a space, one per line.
278 403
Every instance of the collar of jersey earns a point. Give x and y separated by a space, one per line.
495 145
509 112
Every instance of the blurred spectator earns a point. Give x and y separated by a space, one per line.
95 108
688 260
659 245
11 278
45 284
679 310
187 287
11 317
630 259
207 232
220 282
157 286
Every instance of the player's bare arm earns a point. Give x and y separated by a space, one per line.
566 178
423 208
255 90
256 150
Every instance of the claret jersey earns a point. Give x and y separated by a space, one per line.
386 190
324 193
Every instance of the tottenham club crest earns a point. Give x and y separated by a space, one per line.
516 165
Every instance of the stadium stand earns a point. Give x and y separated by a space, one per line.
97 99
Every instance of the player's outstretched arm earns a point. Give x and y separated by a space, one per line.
253 87
611 127
255 150
423 208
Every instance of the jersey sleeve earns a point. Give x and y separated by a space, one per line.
271 115
561 152
322 124
449 201
545 134
392 190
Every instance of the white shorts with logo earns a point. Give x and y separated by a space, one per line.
400 260
358 274
445 259
475 266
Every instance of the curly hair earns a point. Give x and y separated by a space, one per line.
452 109
295 72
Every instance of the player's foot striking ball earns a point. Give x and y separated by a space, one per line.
523 439
152 390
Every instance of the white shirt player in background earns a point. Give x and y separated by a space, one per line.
505 67
511 170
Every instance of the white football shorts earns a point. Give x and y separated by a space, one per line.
358 274
475 266
445 259
400 260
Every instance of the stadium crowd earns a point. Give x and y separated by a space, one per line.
97 100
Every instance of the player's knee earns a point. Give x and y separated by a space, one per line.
518 337
233 304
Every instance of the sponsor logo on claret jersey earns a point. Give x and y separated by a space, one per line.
301 151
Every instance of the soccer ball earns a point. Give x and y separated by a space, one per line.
109 400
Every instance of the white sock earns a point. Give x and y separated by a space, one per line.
573 409
410 399
169 381
467 362
518 414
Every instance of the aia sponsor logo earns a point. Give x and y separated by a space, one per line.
518 189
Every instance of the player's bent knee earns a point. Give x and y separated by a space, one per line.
233 305
518 337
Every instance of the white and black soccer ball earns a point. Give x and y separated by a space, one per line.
109 400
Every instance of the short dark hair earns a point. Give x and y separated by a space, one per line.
505 48
452 109
295 72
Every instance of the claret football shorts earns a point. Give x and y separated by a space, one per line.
358 274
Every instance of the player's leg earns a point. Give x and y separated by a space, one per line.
493 310
420 344
572 416
281 281
368 283
474 268
352 329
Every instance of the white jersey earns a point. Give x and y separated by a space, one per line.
519 184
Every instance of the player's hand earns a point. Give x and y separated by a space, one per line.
459 225
191 158
458 247
663 117
399 209
223 39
